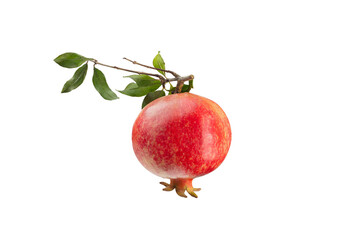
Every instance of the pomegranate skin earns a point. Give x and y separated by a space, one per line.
181 136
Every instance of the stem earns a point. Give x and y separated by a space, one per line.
128 70
159 69
177 78
181 81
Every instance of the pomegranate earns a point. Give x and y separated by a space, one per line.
181 137
178 135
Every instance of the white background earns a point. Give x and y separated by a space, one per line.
285 72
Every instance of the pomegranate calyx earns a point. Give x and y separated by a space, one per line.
180 185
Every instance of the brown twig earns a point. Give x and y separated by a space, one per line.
181 81
177 78
159 69
128 70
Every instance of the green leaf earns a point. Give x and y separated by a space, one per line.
70 60
143 80
172 88
134 90
185 88
76 80
101 85
130 90
188 87
151 96
142 86
191 83
158 62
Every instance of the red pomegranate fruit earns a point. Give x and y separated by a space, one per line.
181 136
